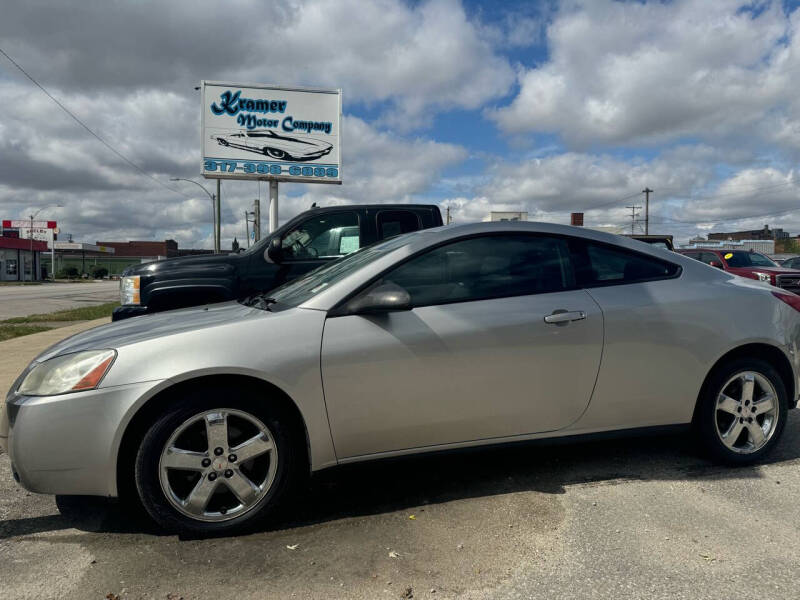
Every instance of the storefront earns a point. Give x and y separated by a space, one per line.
18 263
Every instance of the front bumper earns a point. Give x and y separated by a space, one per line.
125 312
68 444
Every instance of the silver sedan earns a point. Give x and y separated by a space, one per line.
444 338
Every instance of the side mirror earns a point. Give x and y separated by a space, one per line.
715 263
387 297
274 250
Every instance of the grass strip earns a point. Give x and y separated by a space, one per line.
84 313
8 332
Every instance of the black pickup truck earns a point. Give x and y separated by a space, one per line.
304 243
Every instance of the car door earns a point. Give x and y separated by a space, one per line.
655 327
500 343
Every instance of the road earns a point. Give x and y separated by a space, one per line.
637 518
23 300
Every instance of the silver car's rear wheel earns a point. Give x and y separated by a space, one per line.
218 465
746 412
741 410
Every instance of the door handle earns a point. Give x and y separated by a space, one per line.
563 316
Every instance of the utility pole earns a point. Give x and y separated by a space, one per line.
247 227
30 233
218 232
634 214
273 205
647 191
448 216
214 209
257 219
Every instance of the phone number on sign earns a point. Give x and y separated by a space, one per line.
234 166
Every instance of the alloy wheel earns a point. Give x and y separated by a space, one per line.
746 412
218 465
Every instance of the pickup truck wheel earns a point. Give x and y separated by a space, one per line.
742 411
211 466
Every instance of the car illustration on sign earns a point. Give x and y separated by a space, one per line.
275 146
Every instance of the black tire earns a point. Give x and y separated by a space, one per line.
706 416
146 474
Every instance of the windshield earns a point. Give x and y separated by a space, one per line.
740 258
298 291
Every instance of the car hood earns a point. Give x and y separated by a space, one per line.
147 327
183 263
774 270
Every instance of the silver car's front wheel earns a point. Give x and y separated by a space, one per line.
218 464
742 410
211 466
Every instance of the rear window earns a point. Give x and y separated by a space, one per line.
597 264
394 222
739 258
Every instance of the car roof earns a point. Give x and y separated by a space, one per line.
424 238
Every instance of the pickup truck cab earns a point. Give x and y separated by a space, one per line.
659 241
752 265
304 243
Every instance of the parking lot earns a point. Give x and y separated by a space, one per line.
613 519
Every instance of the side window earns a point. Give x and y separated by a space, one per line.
709 257
600 265
395 222
325 236
486 267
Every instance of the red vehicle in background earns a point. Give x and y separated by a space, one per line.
752 265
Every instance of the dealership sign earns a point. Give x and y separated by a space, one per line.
269 132
28 223
42 234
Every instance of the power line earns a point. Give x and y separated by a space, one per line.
634 214
616 201
87 128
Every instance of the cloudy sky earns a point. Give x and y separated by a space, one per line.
549 107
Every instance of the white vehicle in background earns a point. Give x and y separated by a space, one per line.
275 146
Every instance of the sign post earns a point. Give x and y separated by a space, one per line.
270 133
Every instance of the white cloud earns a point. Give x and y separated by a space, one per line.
105 199
420 57
629 73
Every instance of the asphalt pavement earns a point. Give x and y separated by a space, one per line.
23 300
644 517
638 518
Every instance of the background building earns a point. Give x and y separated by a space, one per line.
763 246
153 250
17 263
514 215
754 234
115 257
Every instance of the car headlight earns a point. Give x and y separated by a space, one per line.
129 290
68 373
763 277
